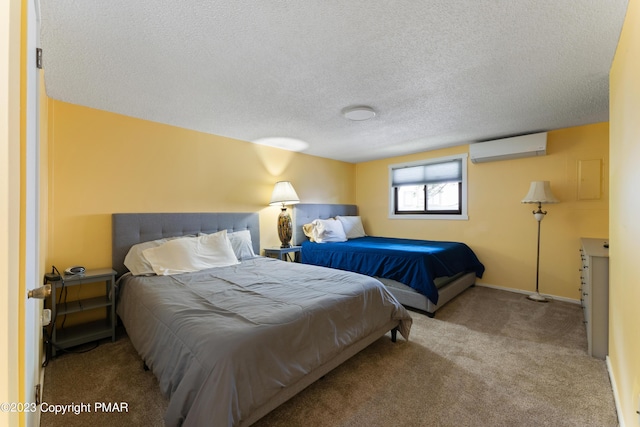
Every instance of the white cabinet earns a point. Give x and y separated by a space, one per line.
594 291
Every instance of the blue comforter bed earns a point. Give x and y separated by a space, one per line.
415 263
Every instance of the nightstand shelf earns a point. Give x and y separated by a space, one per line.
284 254
83 305
70 336
83 333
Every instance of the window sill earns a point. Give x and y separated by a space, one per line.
440 217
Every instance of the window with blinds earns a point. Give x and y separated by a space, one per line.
434 187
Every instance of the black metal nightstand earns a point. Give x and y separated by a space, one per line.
62 338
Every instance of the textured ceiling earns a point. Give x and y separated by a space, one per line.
437 72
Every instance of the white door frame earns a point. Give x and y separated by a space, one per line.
33 273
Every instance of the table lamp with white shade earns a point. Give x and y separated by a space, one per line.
284 194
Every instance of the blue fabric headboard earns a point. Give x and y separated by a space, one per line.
304 213
131 228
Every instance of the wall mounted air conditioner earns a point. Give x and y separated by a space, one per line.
509 148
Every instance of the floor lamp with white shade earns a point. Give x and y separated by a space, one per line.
539 192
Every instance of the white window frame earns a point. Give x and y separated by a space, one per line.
463 199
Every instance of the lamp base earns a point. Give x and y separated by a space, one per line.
537 298
285 228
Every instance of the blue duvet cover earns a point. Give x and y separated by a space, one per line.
412 262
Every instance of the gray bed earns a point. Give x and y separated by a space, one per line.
448 287
230 344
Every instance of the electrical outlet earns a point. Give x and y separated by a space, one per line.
45 318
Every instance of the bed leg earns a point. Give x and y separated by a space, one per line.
394 334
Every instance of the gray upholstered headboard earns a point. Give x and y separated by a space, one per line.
304 213
131 228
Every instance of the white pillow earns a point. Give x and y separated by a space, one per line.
241 244
309 230
352 226
191 254
328 230
136 262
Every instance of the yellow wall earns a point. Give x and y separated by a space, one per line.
624 314
502 230
11 380
23 201
101 163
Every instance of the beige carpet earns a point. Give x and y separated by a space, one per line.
489 358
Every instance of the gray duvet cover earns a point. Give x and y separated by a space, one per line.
224 341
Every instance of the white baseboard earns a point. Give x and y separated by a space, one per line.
520 291
616 397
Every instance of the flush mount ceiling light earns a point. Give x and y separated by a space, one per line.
290 144
359 113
